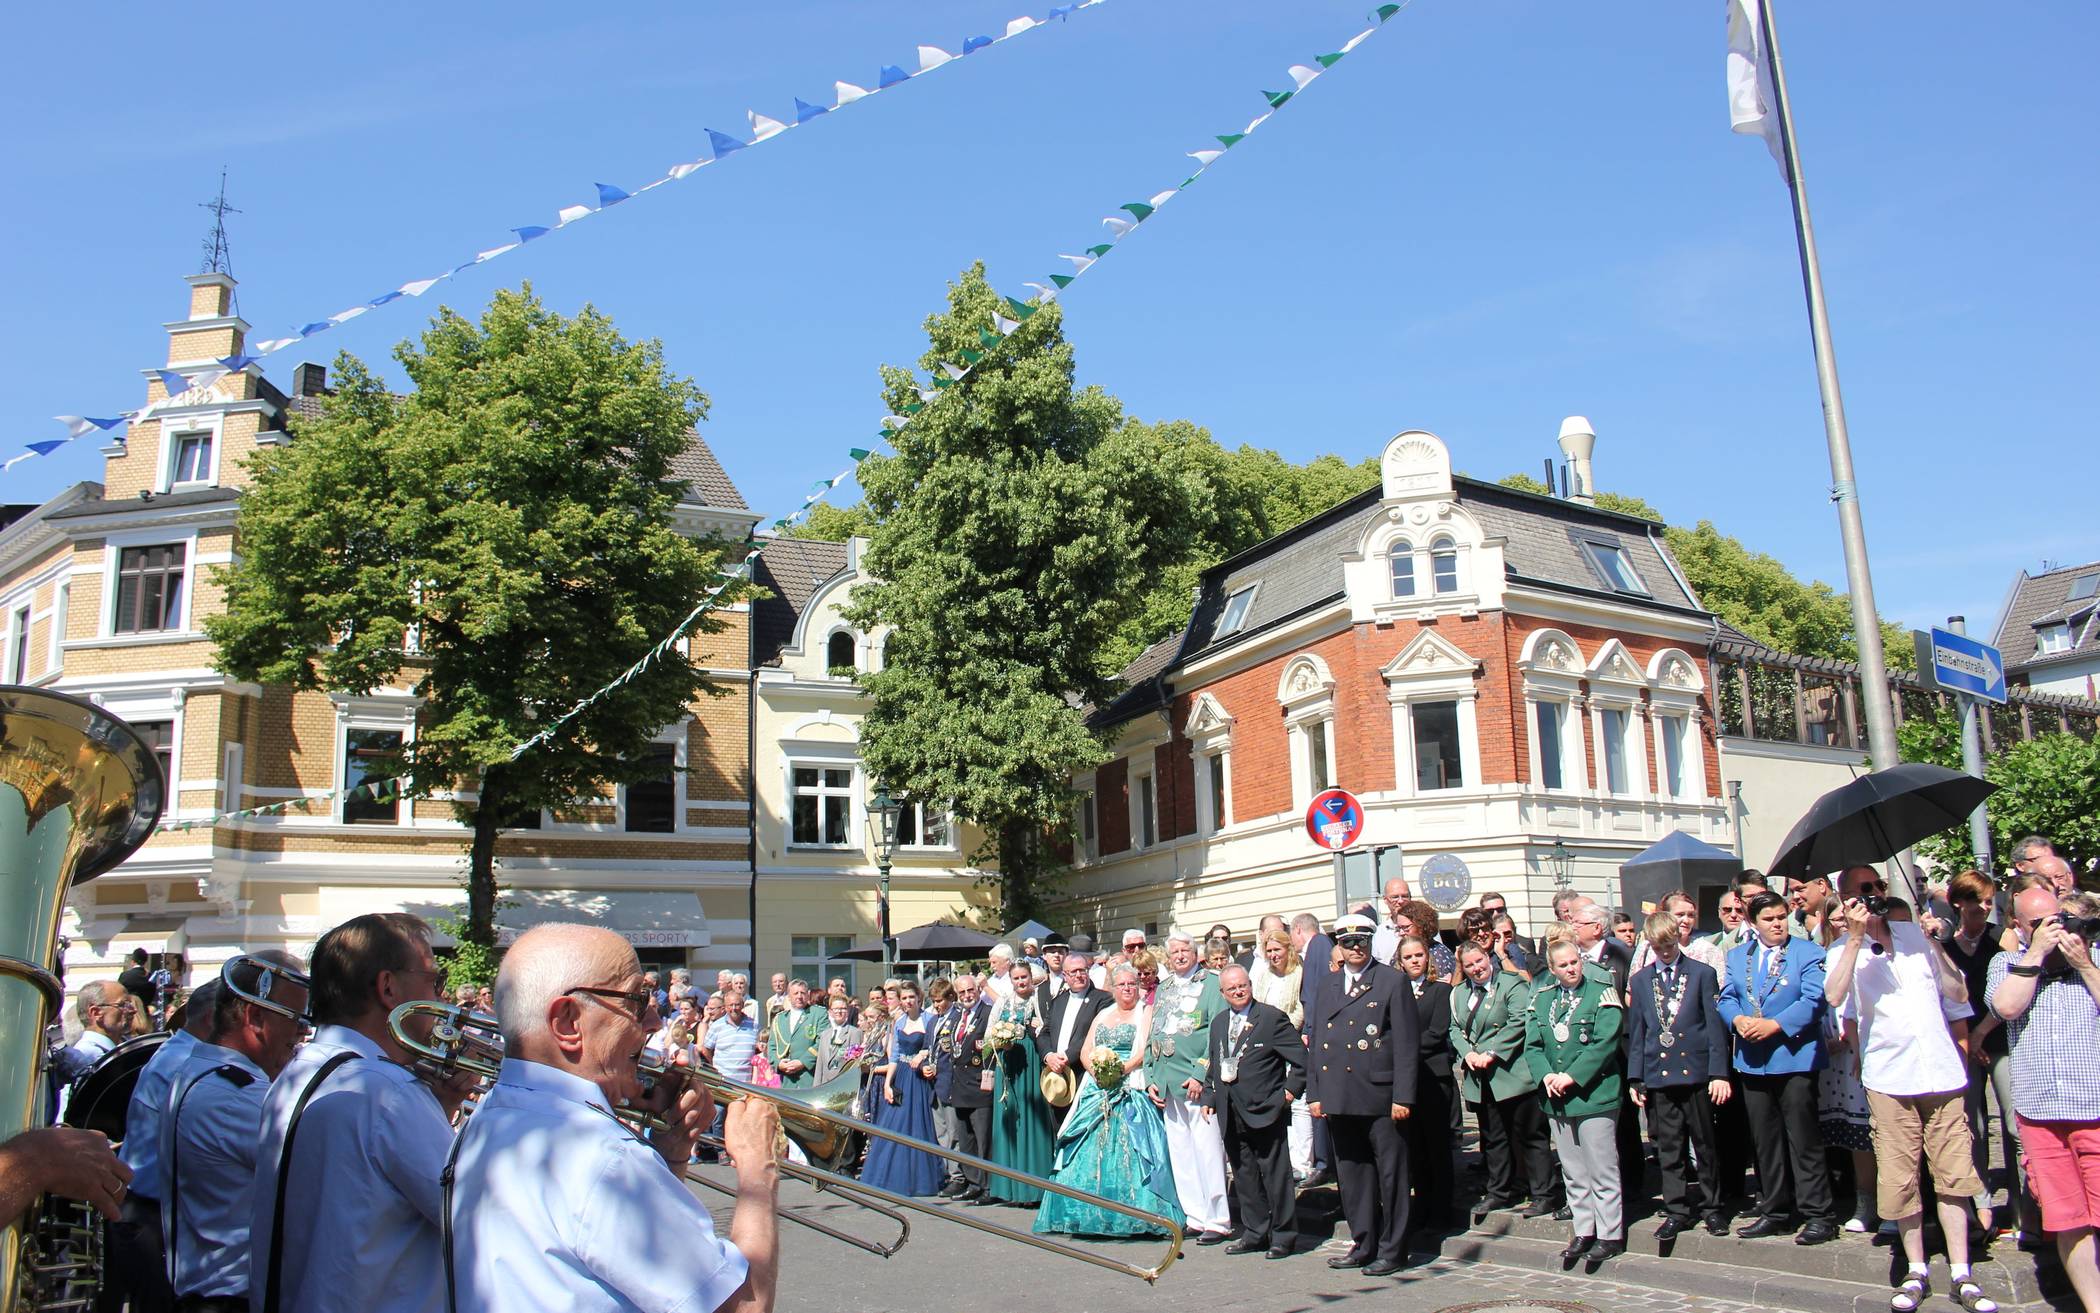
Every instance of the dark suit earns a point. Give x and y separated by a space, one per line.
1255 1118
966 1093
1673 1077
1087 1005
1429 1133
1366 1052
1313 980
947 1118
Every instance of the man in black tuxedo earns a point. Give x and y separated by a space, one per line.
1315 955
1678 1063
970 1088
1070 1014
1257 1068
1365 1051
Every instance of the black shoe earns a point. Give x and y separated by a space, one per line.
1717 1223
1384 1267
1213 1237
1670 1229
1246 1245
1768 1226
981 1201
1492 1205
1563 1214
1322 1177
1604 1252
1350 1259
1817 1233
955 1189
1576 1249
1281 1251
1540 1208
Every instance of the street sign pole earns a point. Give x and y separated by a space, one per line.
1972 761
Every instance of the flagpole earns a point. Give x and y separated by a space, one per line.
1866 620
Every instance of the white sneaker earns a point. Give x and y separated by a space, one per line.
1858 1226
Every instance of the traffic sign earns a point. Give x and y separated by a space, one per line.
1335 820
1957 663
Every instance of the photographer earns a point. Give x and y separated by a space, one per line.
1905 996
2048 994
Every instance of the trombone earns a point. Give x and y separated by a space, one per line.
814 1119
255 980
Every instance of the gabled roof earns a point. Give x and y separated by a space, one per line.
1140 683
710 483
2041 600
792 570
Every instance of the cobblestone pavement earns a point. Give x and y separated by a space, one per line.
951 1267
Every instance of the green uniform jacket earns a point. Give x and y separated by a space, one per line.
797 1042
1590 1053
1178 1049
1496 1028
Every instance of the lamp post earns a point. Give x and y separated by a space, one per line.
1563 865
882 828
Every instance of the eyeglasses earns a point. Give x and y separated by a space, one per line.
640 1000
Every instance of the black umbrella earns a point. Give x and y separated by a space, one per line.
928 943
1877 816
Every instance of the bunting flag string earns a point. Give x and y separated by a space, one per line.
376 790
191 384
947 374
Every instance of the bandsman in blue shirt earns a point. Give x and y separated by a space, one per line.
556 1206
209 1132
136 1267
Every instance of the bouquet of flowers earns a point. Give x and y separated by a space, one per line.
1108 1069
1001 1034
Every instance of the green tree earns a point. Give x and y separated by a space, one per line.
1021 521
502 536
835 524
2049 786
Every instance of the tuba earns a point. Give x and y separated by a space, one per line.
79 792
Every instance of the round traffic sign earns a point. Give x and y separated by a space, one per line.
1335 820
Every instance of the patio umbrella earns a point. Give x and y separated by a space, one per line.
1035 930
928 943
1877 816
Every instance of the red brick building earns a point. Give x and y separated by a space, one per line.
1516 687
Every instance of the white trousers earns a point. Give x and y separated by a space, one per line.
1196 1148
1299 1137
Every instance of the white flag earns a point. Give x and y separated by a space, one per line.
1753 105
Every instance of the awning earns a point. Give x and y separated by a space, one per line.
645 918
153 933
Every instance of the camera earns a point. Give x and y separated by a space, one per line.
2085 927
1876 904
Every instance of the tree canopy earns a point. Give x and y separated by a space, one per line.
1022 521
502 536
2049 785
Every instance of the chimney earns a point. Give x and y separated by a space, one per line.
310 380
1577 441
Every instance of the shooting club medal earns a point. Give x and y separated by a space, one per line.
1667 1015
1560 1018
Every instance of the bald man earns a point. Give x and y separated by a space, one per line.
557 1206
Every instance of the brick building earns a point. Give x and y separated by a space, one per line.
103 590
1516 686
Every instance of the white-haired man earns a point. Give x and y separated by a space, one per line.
555 1204
998 978
1175 1061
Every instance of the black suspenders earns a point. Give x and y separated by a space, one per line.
284 1162
172 1179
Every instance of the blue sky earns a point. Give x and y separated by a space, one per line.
1491 216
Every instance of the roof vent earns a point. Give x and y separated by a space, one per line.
1577 441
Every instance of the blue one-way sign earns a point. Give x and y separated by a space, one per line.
1960 664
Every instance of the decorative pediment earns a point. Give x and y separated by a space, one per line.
1416 464
1305 679
1675 671
1614 665
1208 720
1429 656
1549 651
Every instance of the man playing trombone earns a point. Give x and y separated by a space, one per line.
555 1204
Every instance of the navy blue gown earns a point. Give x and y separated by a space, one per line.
890 1165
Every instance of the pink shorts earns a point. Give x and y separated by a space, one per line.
2063 1170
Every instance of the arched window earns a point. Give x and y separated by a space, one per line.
1401 556
1443 565
838 652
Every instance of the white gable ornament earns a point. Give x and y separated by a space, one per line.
1208 719
1415 465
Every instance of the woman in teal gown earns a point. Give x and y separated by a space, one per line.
1024 1125
1113 1144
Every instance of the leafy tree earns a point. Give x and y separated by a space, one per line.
1021 519
835 524
2048 786
1609 501
502 536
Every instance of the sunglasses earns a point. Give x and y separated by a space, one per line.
638 1000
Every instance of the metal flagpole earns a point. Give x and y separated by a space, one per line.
1866 621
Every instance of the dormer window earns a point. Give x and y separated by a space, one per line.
1236 606
192 458
838 652
2051 639
1443 565
1609 560
1401 557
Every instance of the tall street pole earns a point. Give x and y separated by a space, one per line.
1866 620
1972 760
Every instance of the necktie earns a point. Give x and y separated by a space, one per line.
1669 974
1771 964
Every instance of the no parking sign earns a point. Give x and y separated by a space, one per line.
1335 820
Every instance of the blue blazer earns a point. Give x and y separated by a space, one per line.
1794 1000
1699 1051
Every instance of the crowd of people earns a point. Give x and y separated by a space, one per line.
1828 1061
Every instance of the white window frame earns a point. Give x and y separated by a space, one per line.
858 651
1086 816
1444 544
402 722
212 426
856 823
1551 663
918 809
818 971
1231 622
1563 724
113 551
1675 684
61 612
675 738
164 703
1306 691
1594 549
1402 549
2049 640
1617 684
1209 732
1431 669
20 620
1143 784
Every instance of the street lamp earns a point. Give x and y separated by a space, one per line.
1563 865
882 828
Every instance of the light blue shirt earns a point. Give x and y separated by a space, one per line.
733 1046
361 1216
209 1143
149 1100
558 1208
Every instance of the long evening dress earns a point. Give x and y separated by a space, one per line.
1114 1145
890 1165
1024 1125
